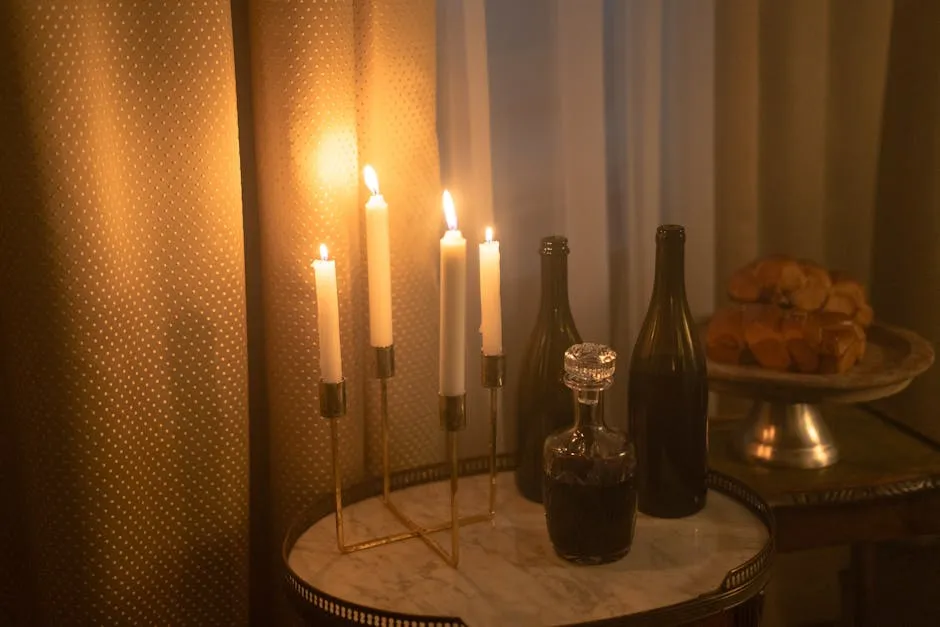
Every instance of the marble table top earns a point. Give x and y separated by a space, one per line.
508 572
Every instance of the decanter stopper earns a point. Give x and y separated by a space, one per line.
590 367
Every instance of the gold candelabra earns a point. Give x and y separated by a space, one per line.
453 418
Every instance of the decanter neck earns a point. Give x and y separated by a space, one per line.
588 408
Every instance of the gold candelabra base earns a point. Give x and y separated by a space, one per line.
453 416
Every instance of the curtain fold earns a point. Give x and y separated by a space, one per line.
906 260
755 124
463 115
125 431
336 86
737 143
123 313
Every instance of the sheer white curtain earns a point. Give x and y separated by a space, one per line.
553 119
753 123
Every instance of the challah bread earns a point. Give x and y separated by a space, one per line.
815 288
848 296
791 315
763 331
725 341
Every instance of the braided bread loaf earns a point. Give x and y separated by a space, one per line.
791 315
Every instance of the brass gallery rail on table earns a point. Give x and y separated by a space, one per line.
736 601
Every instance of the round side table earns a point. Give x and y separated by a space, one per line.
707 569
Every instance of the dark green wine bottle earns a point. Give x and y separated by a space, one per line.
668 393
543 402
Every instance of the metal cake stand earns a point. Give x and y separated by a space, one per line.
785 427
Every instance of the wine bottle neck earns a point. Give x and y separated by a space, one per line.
670 268
555 285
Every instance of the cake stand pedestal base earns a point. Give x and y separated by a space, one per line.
789 435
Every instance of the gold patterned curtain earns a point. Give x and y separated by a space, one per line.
144 148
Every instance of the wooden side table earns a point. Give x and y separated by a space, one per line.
708 569
885 487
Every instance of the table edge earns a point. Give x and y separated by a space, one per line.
853 494
739 584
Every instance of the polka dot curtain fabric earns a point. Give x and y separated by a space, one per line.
124 448
338 85
123 311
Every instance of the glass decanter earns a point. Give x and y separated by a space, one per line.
588 479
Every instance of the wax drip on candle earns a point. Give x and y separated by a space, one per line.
372 179
324 253
450 213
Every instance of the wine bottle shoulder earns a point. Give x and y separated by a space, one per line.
668 346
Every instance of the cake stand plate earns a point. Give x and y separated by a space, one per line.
785 427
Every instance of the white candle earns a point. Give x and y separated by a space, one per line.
453 321
491 317
331 362
380 270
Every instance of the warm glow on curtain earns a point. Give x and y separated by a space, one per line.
337 86
124 437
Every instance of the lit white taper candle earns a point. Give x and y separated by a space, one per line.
379 263
491 317
331 362
453 320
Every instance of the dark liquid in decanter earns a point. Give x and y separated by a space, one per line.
590 524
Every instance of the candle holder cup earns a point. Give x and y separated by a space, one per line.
453 416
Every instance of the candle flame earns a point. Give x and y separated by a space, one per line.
489 234
450 213
324 253
372 179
